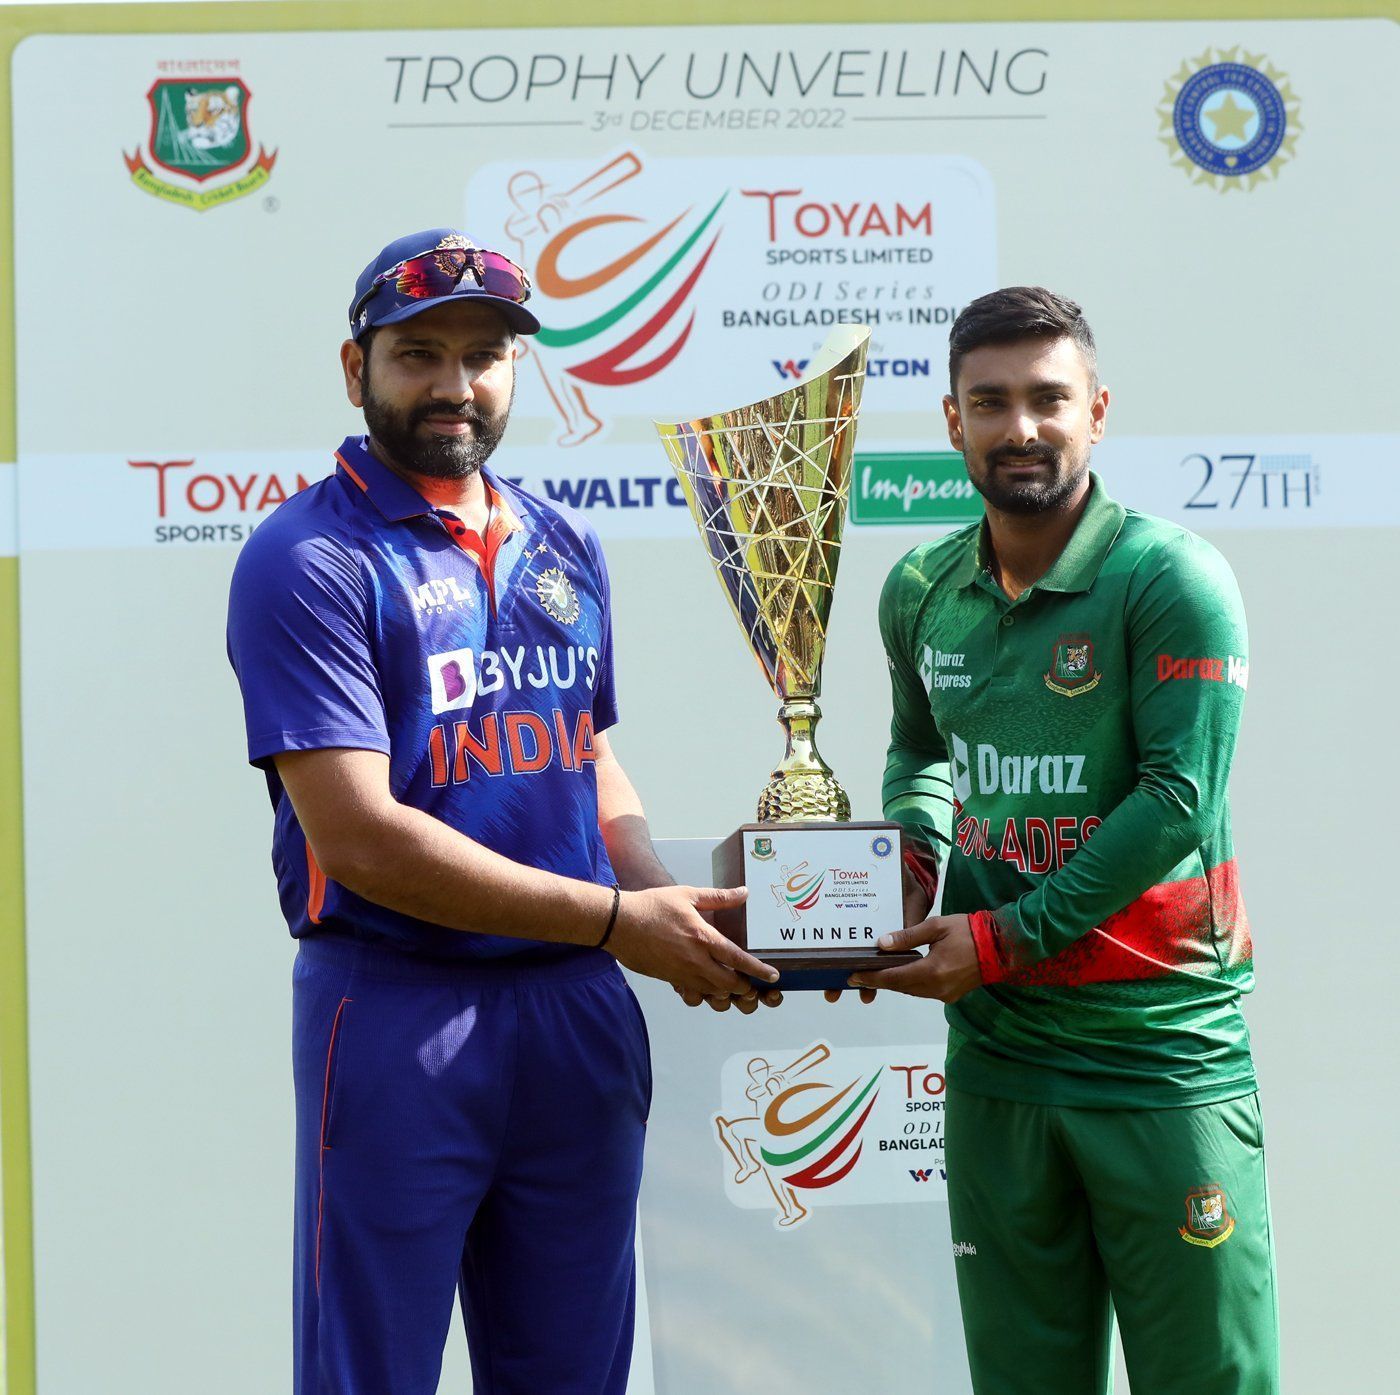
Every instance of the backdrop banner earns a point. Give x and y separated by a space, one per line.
698 205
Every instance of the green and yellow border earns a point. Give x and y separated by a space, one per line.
17 22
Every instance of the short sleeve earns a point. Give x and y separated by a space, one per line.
299 626
605 691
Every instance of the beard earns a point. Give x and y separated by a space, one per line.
1051 491
416 451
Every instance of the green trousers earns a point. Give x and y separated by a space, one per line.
1060 1217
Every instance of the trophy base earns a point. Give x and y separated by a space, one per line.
820 896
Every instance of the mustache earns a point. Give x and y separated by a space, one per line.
1007 455
443 411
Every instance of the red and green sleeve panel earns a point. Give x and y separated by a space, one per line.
1069 753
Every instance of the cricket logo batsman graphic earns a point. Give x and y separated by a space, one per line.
616 287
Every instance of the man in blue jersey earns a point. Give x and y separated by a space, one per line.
425 655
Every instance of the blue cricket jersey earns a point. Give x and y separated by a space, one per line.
361 617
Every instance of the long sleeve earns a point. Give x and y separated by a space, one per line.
1188 666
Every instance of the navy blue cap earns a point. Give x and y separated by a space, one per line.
387 306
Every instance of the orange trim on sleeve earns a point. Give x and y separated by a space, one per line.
316 893
349 470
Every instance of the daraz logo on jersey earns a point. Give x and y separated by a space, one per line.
1231 669
458 677
995 773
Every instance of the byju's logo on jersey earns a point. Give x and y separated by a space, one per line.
199 131
1072 669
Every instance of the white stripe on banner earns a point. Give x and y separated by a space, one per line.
9 509
143 499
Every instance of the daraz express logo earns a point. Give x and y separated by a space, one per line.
458 677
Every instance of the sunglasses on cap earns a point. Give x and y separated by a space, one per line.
430 275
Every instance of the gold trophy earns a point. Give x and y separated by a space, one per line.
767 485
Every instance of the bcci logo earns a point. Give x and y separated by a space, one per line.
557 596
1072 669
1229 121
199 132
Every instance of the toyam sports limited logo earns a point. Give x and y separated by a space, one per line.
711 272
205 501
821 1126
1229 119
199 133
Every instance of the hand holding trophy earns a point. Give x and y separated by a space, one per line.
767 485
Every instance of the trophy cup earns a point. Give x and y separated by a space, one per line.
767 485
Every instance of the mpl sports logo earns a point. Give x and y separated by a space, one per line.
199 132
831 1126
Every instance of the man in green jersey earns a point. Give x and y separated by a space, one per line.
1068 678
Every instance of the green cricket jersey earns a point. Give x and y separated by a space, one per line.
1067 755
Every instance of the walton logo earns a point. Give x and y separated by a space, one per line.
199 130
927 1174
551 226
874 367
784 1134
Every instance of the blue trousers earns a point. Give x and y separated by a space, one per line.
473 1130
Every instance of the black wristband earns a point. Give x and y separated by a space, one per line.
612 916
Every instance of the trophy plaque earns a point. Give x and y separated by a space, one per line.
767 485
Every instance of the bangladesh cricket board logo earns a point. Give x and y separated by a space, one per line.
199 132
1208 1220
1072 669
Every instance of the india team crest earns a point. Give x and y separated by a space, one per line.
1072 670
199 131
1208 1220
557 596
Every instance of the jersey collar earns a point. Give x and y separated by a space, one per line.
397 500
1078 566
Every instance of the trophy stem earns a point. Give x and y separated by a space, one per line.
803 787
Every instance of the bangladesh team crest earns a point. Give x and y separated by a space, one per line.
763 849
199 133
1208 1220
1072 670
